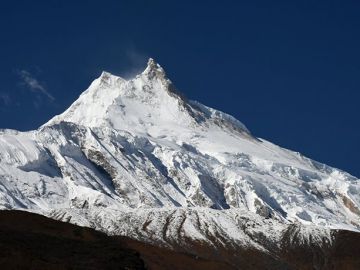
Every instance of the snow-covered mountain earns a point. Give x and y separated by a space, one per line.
136 158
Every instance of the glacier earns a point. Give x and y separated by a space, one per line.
137 158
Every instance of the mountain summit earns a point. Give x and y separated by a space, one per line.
153 69
147 102
134 157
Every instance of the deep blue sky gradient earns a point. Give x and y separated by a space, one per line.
290 70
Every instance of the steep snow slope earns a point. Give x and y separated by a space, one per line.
135 157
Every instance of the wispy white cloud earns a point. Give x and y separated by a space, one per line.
34 84
137 61
5 99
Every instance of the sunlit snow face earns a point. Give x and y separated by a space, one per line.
138 144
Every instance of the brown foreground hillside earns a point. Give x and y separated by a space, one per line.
31 241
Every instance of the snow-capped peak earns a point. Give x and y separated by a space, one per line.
127 152
148 102
153 69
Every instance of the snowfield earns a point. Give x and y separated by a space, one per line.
136 158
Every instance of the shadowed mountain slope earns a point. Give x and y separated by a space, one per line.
31 241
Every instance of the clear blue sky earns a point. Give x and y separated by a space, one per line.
290 70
